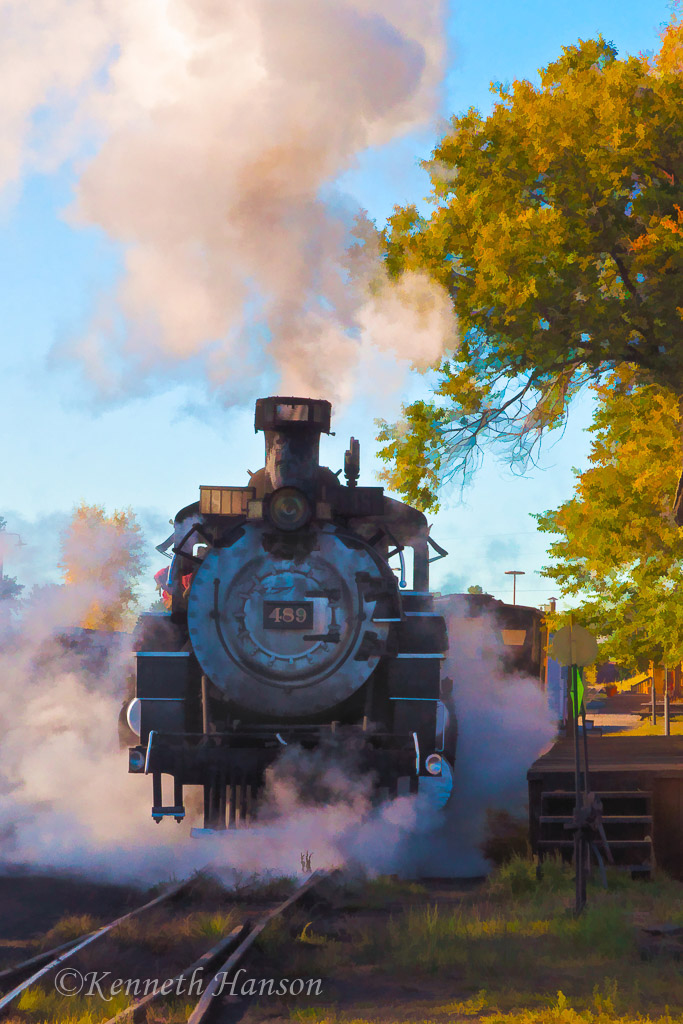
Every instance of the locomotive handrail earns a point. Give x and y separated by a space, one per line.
178 548
398 550
165 545
441 552
150 738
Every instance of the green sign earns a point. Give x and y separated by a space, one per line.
575 682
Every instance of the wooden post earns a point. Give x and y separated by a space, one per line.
667 724
654 698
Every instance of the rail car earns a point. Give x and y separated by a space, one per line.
520 630
291 622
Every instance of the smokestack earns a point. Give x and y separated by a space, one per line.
292 428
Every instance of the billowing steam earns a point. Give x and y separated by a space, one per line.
67 802
206 138
504 724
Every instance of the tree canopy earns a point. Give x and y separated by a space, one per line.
619 547
102 559
558 232
10 589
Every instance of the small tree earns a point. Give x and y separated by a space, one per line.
619 545
102 560
10 590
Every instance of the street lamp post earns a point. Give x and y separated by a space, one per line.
514 573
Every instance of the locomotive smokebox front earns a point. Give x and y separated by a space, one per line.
287 612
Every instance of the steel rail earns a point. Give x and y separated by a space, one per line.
226 942
39 958
205 1004
89 938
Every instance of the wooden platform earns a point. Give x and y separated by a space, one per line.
648 766
615 753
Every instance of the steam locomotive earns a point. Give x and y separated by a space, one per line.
288 625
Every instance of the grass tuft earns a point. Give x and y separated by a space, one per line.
46 1006
68 928
384 890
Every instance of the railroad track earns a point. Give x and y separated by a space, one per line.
215 965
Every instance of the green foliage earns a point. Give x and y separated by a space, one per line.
521 876
159 934
211 925
47 1006
384 890
67 928
511 951
516 877
558 232
10 590
618 545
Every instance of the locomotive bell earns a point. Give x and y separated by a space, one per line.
292 429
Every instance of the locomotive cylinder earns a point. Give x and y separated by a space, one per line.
292 429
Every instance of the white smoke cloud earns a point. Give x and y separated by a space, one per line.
206 138
504 724
67 802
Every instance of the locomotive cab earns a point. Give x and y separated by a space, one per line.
289 626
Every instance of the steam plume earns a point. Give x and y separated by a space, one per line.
66 799
207 136
504 724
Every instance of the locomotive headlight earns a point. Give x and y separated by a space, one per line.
433 764
133 715
289 509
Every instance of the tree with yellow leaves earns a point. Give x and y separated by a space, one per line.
620 549
102 560
558 232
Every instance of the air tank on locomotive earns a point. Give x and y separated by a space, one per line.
288 625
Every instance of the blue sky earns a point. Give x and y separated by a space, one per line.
151 454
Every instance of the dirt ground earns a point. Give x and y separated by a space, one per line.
507 950
31 904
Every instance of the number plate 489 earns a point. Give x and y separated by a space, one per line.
287 614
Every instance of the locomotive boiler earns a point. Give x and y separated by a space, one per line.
288 625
